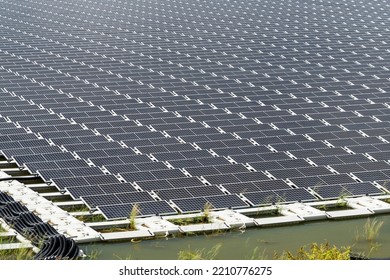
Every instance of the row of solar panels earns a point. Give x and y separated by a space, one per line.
74 72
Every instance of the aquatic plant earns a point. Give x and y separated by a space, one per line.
200 254
258 254
317 252
370 230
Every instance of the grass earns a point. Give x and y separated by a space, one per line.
93 255
36 180
341 203
205 218
206 212
91 218
60 198
258 254
200 254
387 200
113 229
76 208
133 214
8 239
338 206
313 251
370 231
188 221
318 252
265 213
16 254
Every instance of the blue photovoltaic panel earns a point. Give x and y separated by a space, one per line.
122 211
226 202
188 205
262 198
354 189
205 104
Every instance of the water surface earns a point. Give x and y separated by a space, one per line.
241 245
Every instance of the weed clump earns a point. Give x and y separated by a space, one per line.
318 252
370 230
133 214
200 254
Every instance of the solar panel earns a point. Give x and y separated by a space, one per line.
148 166
380 155
154 184
198 191
221 178
240 187
188 205
201 171
271 185
295 195
354 189
117 188
336 179
262 198
77 192
155 208
134 197
113 212
121 168
62 183
376 165
168 194
49 174
286 173
314 170
102 199
137 176
101 179
265 165
167 174
185 163
231 201
185 182
367 176
347 168
306 182
215 161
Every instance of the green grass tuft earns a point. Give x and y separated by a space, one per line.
370 230
200 254
133 214
318 252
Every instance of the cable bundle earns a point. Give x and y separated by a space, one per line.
53 245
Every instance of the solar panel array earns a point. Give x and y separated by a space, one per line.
174 104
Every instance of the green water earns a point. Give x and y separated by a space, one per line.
241 245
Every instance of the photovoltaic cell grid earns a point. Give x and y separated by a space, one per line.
174 104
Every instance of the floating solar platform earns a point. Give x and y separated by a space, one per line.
174 105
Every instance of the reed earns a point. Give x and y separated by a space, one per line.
370 231
133 214
200 254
